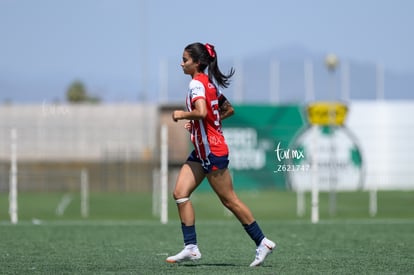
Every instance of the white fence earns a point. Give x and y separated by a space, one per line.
79 132
385 131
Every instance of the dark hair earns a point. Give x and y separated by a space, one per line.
207 56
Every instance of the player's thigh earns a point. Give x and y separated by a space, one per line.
222 184
190 176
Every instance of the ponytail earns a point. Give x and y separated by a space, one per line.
207 56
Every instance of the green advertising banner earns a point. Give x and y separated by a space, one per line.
255 135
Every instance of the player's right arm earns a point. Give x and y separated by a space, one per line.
198 102
199 112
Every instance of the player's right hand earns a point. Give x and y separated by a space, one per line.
188 125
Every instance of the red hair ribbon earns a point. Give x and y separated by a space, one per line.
210 50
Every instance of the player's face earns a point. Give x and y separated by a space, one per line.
188 65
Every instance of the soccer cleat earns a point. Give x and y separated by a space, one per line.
265 248
189 253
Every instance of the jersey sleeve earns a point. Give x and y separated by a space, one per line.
197 90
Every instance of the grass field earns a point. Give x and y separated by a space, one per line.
122 237
337 247
270 205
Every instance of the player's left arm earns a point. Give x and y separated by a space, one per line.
225 108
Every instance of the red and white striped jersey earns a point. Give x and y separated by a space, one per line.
206 134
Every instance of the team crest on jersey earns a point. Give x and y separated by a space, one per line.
195 91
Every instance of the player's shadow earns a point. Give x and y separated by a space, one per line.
208 264
222 266
216 264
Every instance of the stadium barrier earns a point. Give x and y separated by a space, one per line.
268 147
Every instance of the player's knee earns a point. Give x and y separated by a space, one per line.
226 203
182 200
179 195
230 203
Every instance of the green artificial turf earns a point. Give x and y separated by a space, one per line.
140 247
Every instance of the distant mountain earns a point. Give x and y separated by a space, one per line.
352 80
273 76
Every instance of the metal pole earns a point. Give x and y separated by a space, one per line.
13 207
331 63
309 81
163 96
315 177
164 174
238 82
84 193
380 81
274 81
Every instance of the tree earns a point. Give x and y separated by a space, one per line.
77 93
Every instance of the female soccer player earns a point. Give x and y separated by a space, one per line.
206 107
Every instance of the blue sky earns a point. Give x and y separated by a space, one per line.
95 40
